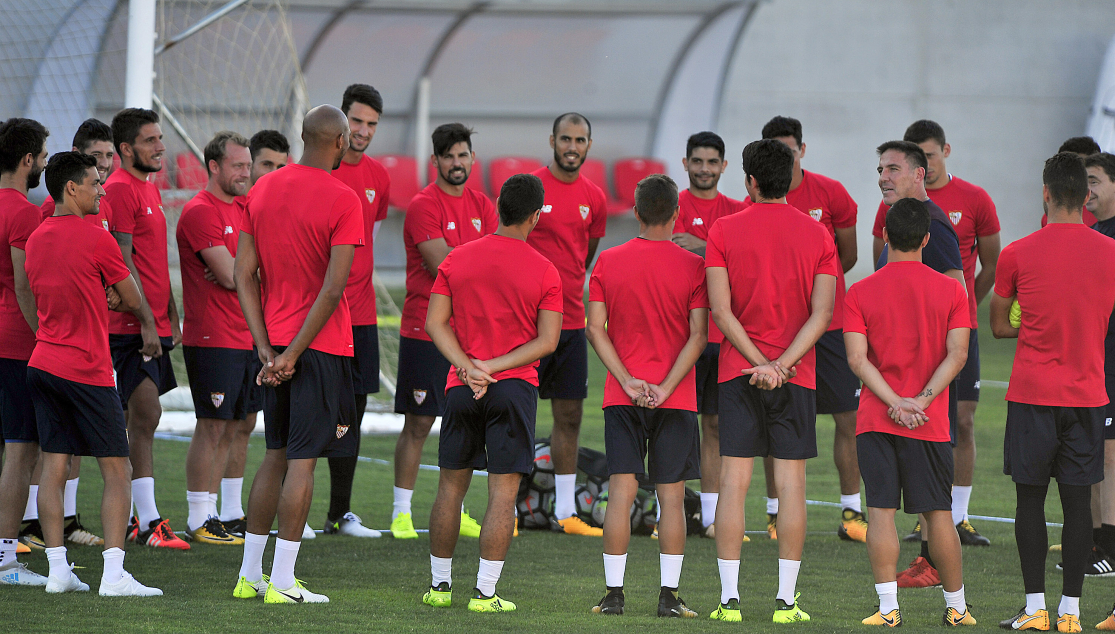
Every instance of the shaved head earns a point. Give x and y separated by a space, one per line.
325 133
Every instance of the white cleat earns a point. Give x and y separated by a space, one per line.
128 587
308 533
297 594
70 583
17 574
351 525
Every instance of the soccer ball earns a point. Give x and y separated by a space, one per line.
584 499
644 513
543 476
600 508
535 509
535 501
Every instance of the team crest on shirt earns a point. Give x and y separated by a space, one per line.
954 216
476 224
419 396
698 222
104 223
371 194
584 212
816 214
451 226
342 430
217 398
547 208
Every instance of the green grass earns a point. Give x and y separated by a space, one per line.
375 585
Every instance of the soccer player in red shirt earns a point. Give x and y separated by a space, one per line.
1082 146
1056 398
772 281
574 218
70 378
93 137
827 202
443 216
270 151
216 343
22 161
647 321
973 217
300 231
495 310
363 106
905 329
140 340
699 207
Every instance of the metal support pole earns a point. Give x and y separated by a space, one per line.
139 83
422 130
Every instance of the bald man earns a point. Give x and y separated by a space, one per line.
300 231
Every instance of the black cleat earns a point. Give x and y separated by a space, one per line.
237 527
915 535
969 536
612 603
670 605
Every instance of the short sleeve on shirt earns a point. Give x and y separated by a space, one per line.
109 260
880 220
959 316
551 291
943 248
853 315
24 222
595 281
699 297
827 265
987 220
842 208
441 282
424 221
1005 273
347 220
383 200
205 229
599 224
714 247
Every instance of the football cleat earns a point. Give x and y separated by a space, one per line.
1068 623
1107 624
853 527
76 533
236 527
1055 548
296 594
439 596
915 535
133 530
1099 565
574 525
70 583
402 527
350 525
212 532
654 533
160 535
710 532
670 605
728 612
791 613
1038 621
17 574
251 589
469 526
21 548
952 618
308 533
612 603
920 574
890 619
772 525
481 603
31 534
128 587
969 536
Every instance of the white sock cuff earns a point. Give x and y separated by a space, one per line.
252 538
851 501
772 506
284 544
615 566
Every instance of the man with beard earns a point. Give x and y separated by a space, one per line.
443 216
216 343
574 218
22 161
141 340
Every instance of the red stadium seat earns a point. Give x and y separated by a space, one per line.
507 166
593 169
475 177
628 172
190 173
403 171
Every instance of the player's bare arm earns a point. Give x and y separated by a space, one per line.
687 358
549 331
720 298
638 390
175 324
1000 317
433 253
958 275
23 293
820 315
247 291
847 248
592 244
689 242
956 347
128 295
220 264
989 248
152 347
903 411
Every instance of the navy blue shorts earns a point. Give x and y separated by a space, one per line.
1109 409
967 380
564 374
669 437
77 419
837 385
365 359
780 423
495 433
707 370
1043 442
896 468
17 413
131 369
420 386
223 382
313 415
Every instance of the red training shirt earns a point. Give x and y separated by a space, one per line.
772 253
369 179
497 285
137 209
906 311
213 317
103 217
434 214
695 217
69 265
18 218
297 215
1061 276
1089 218
573 213
649 287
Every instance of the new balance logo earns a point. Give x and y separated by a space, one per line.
858 391
228 230
451 226
547 208
1107 423
698 222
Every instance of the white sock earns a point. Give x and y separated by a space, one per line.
251 568
1035 601
671 570
69 499
614 568
788 580
7 552
960 497
487 576
282 569
232 507
31 512
402 502
851 502
729 579
212 507
888 596
772 506
114 565
59 567
143 495
565 495
441 570
199 509
708 508
1069 605
955 600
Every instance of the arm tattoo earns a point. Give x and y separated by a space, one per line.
926 392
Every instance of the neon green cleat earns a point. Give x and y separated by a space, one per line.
481 603
728 612
469 526
250 589
789 613
402 527
439 596
296 594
